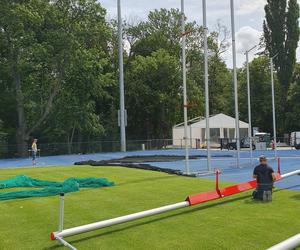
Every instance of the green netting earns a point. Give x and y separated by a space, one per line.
50 188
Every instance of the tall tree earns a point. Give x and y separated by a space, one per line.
293 113
161 31
41 47
261 99
153 95
281 33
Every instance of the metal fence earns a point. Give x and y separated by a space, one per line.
48 149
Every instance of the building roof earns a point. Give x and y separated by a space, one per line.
216 121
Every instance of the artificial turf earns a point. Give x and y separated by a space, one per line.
232 223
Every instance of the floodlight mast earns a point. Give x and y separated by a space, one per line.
249 103
273 105
121 81
185 111
236 101
206 87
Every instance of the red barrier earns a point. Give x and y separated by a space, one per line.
227 191
223 192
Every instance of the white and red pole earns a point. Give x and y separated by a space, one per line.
190 201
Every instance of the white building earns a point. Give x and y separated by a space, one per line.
221 126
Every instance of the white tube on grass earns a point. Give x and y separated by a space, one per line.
130 217
119 220
289 244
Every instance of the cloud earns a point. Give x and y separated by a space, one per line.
245 7
247 37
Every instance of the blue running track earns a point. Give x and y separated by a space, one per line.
224 160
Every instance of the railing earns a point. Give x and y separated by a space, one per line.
47 149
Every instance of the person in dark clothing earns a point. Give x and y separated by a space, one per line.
265 177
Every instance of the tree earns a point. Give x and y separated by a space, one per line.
41 42
261 99
293 113
162 31
3 139
281 34
18 22
153 95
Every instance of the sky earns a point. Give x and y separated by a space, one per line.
249 15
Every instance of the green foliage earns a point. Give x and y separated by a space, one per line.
3 139
54 60
293 114
153 94
281 33
150 72
59 72
261 98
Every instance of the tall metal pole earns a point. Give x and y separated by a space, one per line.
249 104
236 101
121 81
273 108
185 111
206 87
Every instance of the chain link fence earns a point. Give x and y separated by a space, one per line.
48 149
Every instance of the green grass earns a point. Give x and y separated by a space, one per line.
233 223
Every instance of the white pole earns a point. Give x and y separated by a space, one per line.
273 108
296 172
119 220
207 130
236 101
130 217
289 244
249 104
121 81
185 111
249 107
61 212
65 243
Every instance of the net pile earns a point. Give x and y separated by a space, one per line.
48 188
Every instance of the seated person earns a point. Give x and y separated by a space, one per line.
265 177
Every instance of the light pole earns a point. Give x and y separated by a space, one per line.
249 103
183 45
206 87
236 102
273 106
121 81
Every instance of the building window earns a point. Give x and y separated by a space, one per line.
215 134
203 136
232 133
225 133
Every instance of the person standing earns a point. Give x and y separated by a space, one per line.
34 150
265 177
